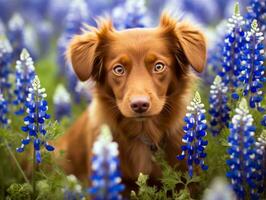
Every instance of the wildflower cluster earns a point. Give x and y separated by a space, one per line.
16 34
5 68
73 189
25 73
76 16
130 14
219 189
219 109
252 74
195 130
35 119
3 112
257 10
242 162
106 181
232 52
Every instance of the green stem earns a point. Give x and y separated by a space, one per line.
34 167
16 162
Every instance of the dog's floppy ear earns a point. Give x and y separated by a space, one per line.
82 50
81 53
189 39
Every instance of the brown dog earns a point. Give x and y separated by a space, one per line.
143 85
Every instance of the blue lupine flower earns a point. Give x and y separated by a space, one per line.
62 102
242 163
232 51
252 74
57 11
72 83
7 8
260 159
77 15
219 109
105 179
44 31
209 12
131 14
25 73
4 121
204 11
215 54
100 7
16 34
31 41
35 120
84 89
257 10
34 9
5 67
219 190
72 189
2 27
195 130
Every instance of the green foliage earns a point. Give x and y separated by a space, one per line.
54 130
19 192
216 158
175 184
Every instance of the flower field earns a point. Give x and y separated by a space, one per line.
40 97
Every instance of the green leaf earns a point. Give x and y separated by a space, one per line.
183 195
193 179
54 130
20 191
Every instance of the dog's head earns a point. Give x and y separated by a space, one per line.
138 68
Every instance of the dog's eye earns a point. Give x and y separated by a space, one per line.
158 67
119 70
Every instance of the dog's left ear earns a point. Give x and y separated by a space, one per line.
188 39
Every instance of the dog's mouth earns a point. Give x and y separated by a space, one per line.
141 117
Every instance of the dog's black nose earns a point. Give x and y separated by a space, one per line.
140 104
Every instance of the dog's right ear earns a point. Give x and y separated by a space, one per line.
85 52
81 53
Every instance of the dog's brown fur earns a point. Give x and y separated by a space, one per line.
94 53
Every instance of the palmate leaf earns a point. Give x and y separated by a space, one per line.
193 179
145 191
171 178
19 191
183 195
54 130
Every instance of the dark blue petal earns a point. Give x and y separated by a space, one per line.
37 144
49 147
38 156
